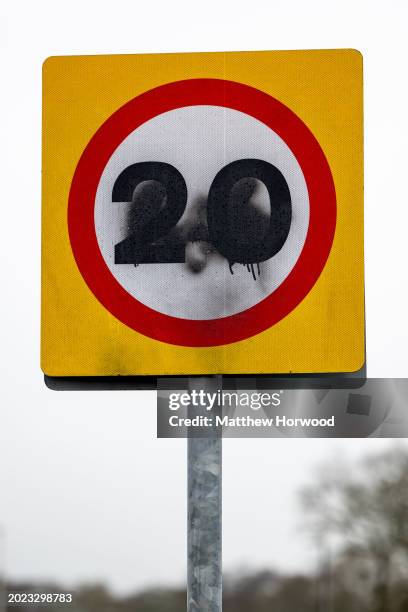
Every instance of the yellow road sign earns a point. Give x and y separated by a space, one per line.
203 213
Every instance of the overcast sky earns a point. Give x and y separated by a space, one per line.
87 492
90 494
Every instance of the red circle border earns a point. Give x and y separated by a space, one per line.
273 308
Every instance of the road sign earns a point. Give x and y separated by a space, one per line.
202 213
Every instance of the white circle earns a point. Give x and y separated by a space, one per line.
199 141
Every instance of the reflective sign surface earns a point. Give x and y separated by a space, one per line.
200 216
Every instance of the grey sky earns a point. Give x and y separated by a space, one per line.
90 494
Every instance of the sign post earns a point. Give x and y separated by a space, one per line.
202 216
204 528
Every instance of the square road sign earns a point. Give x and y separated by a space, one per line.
203 214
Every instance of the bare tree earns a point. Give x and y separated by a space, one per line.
362 514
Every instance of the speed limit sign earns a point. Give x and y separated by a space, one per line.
203 213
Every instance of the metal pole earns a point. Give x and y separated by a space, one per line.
204 535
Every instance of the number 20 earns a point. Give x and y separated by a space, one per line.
143 245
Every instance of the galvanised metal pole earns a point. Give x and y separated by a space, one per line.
204 535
